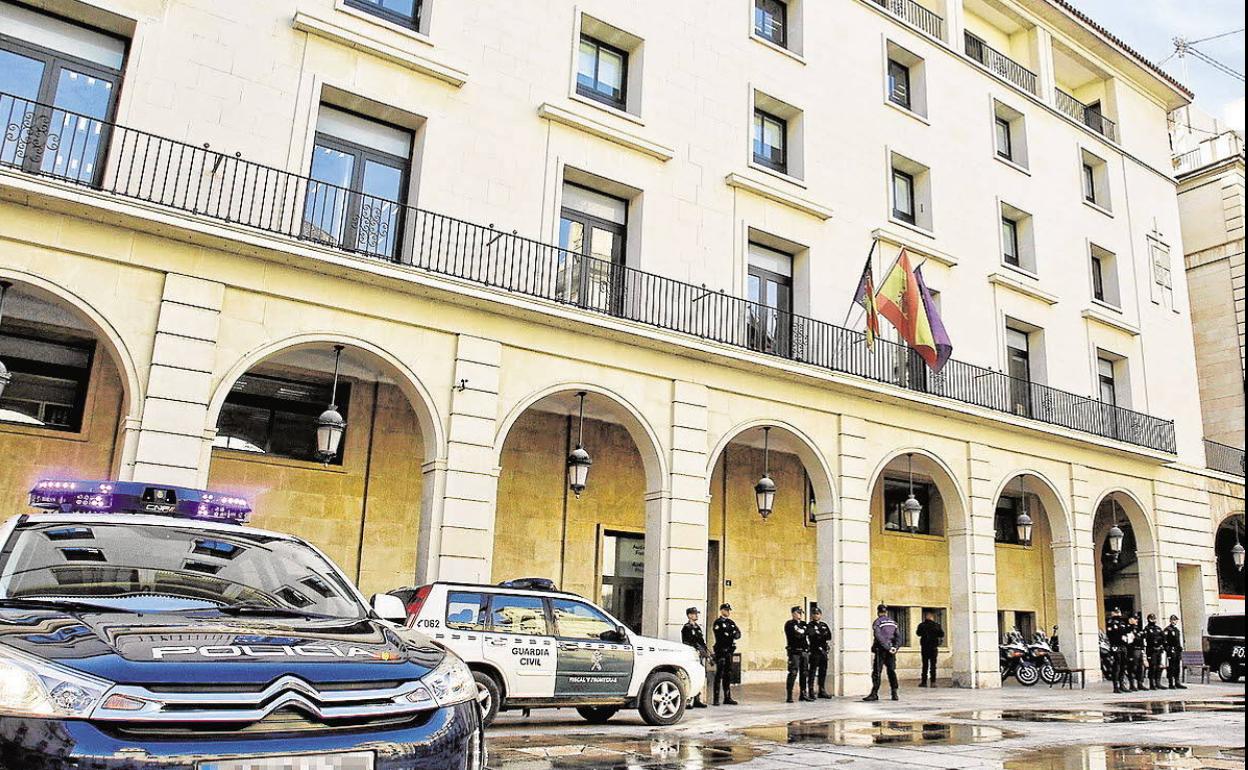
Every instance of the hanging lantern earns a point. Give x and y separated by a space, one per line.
5 376
765 489
330 426
1024 523
579 461
911 509
1237 553
1116 535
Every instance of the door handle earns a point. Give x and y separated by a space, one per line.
497 642
568 646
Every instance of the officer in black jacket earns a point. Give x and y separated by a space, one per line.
1172 644
1115 632
1153 650
797 645
1135 654
819 635
693 636
726 637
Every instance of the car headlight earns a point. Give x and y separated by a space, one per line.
30 687
451 682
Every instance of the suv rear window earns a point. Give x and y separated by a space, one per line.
465 611
580 621
1227 625
519 615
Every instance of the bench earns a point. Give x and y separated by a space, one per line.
1066 674
1195 661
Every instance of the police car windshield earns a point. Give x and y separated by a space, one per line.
138 567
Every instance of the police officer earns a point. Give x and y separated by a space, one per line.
820 637
885 641
1115 633
797 645
1135 654
726 637
1172 644
693 636
1153 650
930 634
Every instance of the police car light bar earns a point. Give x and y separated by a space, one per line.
137 497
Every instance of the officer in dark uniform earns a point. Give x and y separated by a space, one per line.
726 637
820 636
1115 631
693 636
1153 650
1172 645
1135 654
797 645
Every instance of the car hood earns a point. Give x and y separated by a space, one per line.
203 646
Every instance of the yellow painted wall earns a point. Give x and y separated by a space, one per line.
325 505
1025 576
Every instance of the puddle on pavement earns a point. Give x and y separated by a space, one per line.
855 732
1128 758
1072 716
583 752
1160 707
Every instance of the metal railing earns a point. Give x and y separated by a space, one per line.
1002 65
1189 161
135 164
916 16
1088 116
1224 458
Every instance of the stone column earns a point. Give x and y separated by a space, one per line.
973 578
1041 42
844 548
1081 644
955 24
172 445
457 522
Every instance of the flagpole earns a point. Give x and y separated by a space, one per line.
853 303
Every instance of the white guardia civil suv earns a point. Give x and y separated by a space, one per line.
532 646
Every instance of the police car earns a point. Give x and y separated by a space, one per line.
530 646
145 628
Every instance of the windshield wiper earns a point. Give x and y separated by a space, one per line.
72 605
251 608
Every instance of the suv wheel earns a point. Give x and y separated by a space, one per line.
1227 672
598 715
662 700
493 696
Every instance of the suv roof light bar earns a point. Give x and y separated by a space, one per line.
71 496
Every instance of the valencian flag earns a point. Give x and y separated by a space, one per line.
866 297
906 302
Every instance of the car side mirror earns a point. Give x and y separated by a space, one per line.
388 607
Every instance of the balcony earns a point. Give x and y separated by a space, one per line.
915 15
1000 64
1087 115
1223 458
115 160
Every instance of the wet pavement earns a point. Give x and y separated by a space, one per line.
1128 758
858 732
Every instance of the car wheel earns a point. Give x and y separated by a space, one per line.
493 696
1227 672
598 715
662 700
1027 674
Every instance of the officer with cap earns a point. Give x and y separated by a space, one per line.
1153 650
885 641
727 634
820 636
1115 631
797 645
693 636
1172 644
1135 654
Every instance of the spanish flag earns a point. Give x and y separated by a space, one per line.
865 296
905 301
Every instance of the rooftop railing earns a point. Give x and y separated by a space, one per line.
116 160
916 16
1224 458
1002 65
1087 115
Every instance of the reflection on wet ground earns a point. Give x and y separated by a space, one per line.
600 752
857 732
1128 758
1185 707
1073 716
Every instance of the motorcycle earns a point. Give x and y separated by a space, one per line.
1107 657
1015 663
1040 654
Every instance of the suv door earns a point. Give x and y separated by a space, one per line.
519 643
465 623
595 660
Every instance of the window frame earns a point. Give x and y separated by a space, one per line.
394 17
1097 266
349 239
1089 184
911 216
545 611
758 134
252 401
908 102
1005 130
593 93
614 624
783 6
1103 380
924 492
35 368
483 609
1010 244
784 333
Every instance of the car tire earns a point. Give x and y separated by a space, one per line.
1227 672
493 696
598 715
662 701
1027 674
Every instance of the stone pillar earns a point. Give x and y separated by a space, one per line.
1041 42
844 548
172 445
677 520
1081 644
457 515
955 24
973 578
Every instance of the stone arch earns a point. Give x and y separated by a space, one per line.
946 481
1055 505
1143 527
1136 512
817 468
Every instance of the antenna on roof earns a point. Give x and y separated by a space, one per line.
1183 48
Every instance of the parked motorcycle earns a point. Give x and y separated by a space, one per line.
1015 662
1040 654
1107 657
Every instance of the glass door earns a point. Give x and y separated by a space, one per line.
623 577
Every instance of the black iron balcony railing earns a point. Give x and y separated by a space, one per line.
135 164
1002 65
1224 458
916 16
1089 116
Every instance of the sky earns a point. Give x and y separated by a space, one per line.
1149 26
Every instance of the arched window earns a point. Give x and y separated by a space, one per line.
1230 577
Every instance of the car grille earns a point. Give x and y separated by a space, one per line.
285 721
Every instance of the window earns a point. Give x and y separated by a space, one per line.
1089 183
1107 387
525 615
770 138
770 293
465 611
898 83
1009 129
771 21
359 173
903 196
49 385
1025 622
592 230
623 579
602 73
61 82
1005 141
1008 508
905 80
1018 363
897 491
1017 239
1098 276
270 416
1009 241
576 620
901 616
910 190
1094 177
404 12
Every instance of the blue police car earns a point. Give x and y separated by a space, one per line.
146 627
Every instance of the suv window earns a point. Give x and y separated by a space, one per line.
1227 625
519 615
465 611
574 620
